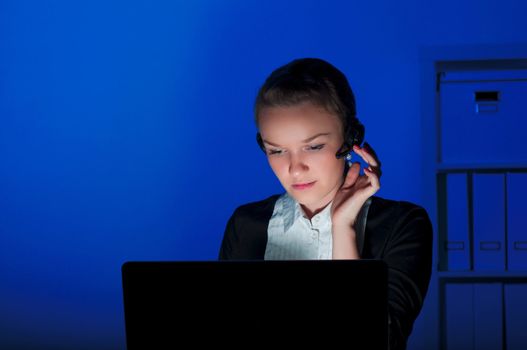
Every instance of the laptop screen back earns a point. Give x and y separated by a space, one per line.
255 303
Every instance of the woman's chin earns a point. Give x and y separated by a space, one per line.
305 198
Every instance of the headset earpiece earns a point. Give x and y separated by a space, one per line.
354 135
357 130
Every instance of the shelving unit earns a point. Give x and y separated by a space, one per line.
481 177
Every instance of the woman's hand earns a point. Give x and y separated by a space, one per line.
356 189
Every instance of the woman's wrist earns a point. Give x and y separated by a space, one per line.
343 229
344 243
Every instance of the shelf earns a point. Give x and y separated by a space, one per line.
478 275
479 167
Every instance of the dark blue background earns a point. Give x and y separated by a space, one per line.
126 132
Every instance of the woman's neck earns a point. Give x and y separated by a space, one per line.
310 213
312 210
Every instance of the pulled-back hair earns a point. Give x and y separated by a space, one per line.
312 80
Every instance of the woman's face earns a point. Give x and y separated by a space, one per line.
301 142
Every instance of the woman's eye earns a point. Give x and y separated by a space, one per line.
274 151
316 148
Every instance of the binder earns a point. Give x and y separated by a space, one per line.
459 316
474 316
516 225
516 315
457 246
489 222
488 316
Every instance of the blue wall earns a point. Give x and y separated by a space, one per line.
126 132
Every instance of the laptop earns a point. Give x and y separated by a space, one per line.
255 304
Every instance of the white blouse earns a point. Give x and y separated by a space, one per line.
292 236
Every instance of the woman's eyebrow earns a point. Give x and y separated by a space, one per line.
305 141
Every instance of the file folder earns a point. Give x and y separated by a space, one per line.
474 316
516 223
488 316
516 315
489 222
457 244
459 316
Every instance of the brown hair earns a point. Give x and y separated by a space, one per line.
311 80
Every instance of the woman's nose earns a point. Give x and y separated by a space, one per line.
297 166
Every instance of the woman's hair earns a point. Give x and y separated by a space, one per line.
319 82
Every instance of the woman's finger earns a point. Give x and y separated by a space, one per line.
374 179
376 170
372 153
351 177
368 158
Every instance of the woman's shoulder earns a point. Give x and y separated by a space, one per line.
389 215
262 207
384 206
392 224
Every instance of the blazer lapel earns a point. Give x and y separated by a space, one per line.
360 224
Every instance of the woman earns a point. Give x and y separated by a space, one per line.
305 114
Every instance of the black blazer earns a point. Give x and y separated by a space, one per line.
398 232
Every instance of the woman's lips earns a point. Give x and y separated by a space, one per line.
303 186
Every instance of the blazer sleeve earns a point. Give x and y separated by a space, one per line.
229 241
408 254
